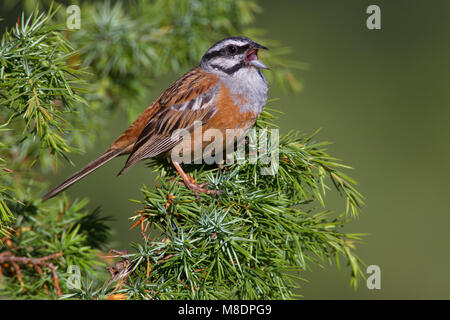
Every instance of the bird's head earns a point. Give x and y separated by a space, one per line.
231 55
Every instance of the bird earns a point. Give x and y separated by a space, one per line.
226 91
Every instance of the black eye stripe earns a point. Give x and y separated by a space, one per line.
218 53
232 49
242 49
212 55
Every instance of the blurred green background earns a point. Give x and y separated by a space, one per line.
382 97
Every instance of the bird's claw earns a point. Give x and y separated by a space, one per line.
196 188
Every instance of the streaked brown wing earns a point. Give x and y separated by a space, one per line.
188 100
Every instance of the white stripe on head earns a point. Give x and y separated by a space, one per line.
231 41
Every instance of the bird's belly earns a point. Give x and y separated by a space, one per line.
211 142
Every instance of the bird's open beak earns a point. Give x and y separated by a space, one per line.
252 57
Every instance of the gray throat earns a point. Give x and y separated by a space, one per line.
249 83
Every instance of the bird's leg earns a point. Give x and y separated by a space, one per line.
192 184
229 158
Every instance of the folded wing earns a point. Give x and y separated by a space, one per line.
191 101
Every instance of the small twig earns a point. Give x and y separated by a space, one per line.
149 268
41 273
37 263
169 201
141 219
63 211
19 273
165 258
55 278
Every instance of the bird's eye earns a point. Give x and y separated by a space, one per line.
232 49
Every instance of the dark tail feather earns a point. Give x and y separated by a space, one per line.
128 165
121 172
104 158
